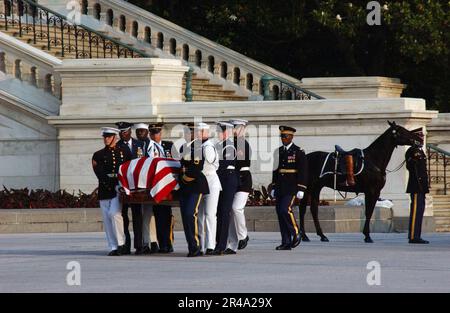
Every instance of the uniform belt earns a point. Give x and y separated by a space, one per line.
231 167
287 171
243 169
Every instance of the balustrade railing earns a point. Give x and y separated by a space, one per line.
276 88
41 25
438 163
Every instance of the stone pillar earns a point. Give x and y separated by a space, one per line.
354 87
100 92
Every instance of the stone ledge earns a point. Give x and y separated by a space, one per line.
338 219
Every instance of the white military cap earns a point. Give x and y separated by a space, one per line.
141 126
108 131
202 126
239 122
225 125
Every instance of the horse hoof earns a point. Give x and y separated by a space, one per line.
305 239
368 240
324 239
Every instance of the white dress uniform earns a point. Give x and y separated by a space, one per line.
207 219
113 222
238 228
154 150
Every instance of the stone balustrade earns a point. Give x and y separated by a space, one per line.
29 65
145 30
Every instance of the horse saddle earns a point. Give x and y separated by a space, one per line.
357 156
339 160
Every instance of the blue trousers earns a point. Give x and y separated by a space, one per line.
286 218
416 215
164 225
229 181
189 204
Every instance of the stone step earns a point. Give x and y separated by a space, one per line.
203 90
218 98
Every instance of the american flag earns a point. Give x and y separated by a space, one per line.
158 175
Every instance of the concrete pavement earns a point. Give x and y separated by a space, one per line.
37 263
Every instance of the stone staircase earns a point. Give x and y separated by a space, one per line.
202 88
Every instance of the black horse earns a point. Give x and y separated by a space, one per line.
370 181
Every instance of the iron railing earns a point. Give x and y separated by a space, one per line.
38 24
438 161
276 88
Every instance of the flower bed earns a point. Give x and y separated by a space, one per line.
44 199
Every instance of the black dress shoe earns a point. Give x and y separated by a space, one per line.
419 241
154 247
163 250
229 252
139 251
114 253
170 248
295 241
218 252
283 247
243 243
122 250
146 250
194 254
209 252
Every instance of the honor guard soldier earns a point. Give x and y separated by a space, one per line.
238 235
136 149
163 213
106 163
193 185
289 181
149 236
229 181
418 187
208 208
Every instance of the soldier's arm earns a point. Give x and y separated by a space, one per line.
302 171
97 166
276 165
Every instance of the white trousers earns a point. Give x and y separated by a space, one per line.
207 219
148 225
237 230
113 222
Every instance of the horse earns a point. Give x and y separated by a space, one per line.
369 181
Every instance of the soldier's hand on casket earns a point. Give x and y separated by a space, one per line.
300 195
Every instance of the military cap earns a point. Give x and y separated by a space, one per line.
224 125
287 130
109 131
239 122
124 126
141 126
155 127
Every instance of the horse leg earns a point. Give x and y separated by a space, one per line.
370 201
302 211
315 199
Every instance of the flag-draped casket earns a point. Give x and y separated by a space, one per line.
148 180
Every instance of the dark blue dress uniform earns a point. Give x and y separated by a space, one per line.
137 150
229 179
289 177
106 163
243 162
164 218
193 185
418 187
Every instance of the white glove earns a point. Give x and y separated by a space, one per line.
272 194
300 195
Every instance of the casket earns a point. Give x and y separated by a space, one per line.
142 196
149 181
